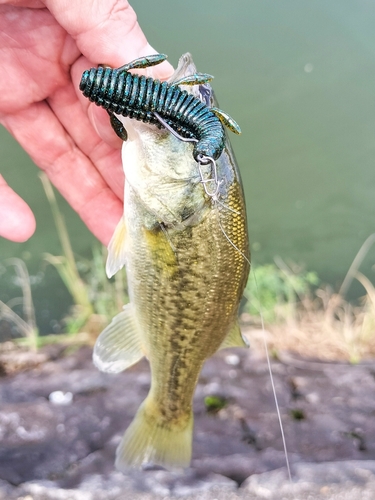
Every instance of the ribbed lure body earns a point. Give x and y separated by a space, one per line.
136 96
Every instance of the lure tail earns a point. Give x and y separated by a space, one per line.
149 440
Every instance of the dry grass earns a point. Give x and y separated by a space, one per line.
328 328
27 324
299 316
96 299
313 321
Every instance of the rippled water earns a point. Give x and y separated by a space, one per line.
299 78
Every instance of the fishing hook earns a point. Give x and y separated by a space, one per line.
202 159
205 160
172 130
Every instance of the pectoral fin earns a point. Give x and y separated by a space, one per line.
119 345
234 338
116 250
164 256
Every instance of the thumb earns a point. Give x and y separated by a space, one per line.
17 222
106 32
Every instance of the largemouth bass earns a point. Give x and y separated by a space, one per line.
187 259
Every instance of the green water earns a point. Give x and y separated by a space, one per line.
299 78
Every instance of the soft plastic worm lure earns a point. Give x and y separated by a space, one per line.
165 105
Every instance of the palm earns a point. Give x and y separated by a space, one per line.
41 106
33 44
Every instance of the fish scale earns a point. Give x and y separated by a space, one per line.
197 261
187 260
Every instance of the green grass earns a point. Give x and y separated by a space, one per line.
96 299
304 316
274 291
26 325
300 314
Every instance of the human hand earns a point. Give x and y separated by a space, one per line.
46 45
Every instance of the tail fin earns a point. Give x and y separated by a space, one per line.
150 441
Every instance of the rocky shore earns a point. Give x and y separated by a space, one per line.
61 420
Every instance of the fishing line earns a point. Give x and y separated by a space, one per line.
216 200
214 197
272 379
231 242
267 354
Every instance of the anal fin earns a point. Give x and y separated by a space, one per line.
119 344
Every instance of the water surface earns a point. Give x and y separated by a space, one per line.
299 78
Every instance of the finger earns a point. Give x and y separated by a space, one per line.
98 116
101 122
17 222
32 4
72 116
106 32
44 138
